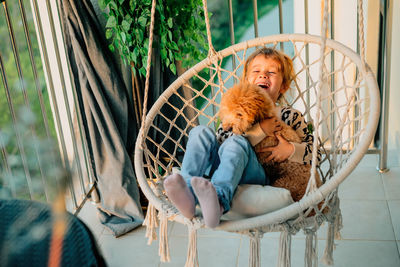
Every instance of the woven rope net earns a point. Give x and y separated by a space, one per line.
348 118
347 121
335 90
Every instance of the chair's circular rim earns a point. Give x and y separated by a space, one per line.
314 198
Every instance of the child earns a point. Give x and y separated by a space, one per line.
229 159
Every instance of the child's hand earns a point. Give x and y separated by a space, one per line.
270 126
280 152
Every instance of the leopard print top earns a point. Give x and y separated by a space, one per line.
294 119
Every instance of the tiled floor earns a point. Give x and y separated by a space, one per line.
370 204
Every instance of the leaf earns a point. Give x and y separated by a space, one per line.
174 46
109 33
142 71
111 22
140 35
169 22
163 53
125 25
132 4
171 55
121 2
102 4
111 47
144 61
134 56
128 18
146 44
172 67
163 41
142 21
170 35
113 5
123 37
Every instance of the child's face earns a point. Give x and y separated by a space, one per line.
265 73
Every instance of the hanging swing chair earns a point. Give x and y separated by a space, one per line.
334 88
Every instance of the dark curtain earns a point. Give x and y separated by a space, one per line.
104 89
106 113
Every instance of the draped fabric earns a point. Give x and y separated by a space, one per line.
107 115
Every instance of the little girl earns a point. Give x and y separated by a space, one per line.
229 159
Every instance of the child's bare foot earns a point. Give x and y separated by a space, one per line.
208 200
179 194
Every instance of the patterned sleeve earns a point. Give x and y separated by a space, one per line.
303 151
222 135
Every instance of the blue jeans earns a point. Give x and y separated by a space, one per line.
232 163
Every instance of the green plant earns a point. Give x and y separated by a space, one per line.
179 31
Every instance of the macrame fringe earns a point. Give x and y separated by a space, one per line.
327 259
311 253
254 257
338 225
151 223
192 259
285 242
163 248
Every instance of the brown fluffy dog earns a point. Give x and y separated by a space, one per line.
246 104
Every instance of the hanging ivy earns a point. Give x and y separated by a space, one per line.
179 31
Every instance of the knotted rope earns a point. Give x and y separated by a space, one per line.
147 82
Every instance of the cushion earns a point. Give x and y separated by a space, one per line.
254 200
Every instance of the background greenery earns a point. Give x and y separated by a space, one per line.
30 124
179 31
10 68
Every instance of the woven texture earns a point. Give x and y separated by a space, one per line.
349 110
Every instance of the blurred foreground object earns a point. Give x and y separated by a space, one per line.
26 229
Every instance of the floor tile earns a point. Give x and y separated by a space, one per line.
212 251
394 208
347 253
364 254
369 160
391 182
129 250
398 246
366 220
393 159
363 183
